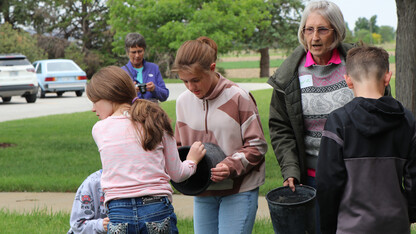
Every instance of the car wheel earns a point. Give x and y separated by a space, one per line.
59 93
41 93
79 93
6 99
31 98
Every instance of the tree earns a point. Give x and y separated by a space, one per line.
387 33
406 54
56 22
276 30
367 24
166 24
362 24
17 41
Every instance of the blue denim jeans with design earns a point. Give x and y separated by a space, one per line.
142 215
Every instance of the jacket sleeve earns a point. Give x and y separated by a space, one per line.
254 145
410 181
282 137
331 175
85 217
160 92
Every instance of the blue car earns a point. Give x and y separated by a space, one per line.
59 76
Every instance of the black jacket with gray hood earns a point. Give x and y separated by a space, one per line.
366 173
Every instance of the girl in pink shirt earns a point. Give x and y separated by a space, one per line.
138 154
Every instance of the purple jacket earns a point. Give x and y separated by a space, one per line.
150 73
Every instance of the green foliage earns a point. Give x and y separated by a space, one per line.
366 24
369 32
74 52
17 41
226 22
278 29
387 33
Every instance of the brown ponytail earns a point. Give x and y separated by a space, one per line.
114 84
154 121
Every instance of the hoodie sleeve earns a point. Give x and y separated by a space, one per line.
254 145
331 174
410 180
85 215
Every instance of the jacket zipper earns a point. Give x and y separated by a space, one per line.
205 104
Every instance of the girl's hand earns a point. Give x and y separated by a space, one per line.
106 220
196 152
220 172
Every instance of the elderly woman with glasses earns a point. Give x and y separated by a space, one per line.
146 75
306 88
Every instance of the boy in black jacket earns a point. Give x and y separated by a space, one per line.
366 173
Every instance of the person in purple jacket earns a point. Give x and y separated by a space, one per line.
146 75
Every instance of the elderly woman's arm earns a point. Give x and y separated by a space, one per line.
283 139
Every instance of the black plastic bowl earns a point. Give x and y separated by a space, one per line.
199 181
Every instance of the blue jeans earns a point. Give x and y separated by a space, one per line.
231 214
138 215
310 180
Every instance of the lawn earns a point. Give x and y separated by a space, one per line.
46 222
248 64
56 153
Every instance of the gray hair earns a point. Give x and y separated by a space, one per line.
134 40
331 12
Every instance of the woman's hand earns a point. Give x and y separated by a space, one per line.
196 152
150 86
220 172
290 182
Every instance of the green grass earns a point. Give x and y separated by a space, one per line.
248 64
236 80
47 222
37 221
56 153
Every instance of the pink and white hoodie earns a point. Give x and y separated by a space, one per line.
229 118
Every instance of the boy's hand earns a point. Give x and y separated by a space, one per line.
105 223
220 172
196 152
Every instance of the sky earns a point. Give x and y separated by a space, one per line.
353 9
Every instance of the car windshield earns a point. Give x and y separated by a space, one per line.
13 61
61 66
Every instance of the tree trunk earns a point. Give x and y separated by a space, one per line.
264 62
406 54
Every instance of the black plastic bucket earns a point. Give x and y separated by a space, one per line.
292 212
199 181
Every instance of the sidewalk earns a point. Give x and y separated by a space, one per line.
55 202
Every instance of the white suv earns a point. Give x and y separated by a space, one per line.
17 78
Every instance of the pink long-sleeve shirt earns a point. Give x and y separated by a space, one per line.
130 171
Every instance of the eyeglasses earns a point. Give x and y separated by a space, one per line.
321 30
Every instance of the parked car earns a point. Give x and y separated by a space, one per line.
17 78
59 76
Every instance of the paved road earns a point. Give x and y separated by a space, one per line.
69 103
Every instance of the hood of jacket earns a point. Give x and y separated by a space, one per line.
221 85
375 116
